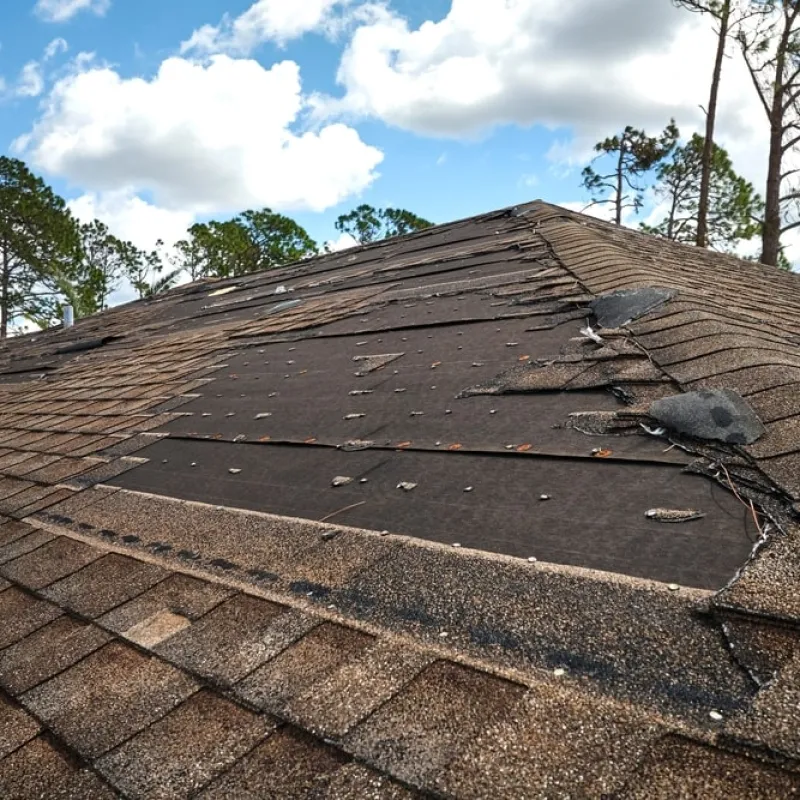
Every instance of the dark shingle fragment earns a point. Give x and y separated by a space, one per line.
616 309
110 695
184 750
717 414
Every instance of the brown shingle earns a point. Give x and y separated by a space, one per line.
37 770
24 544
104 584
16 727
50 562
432 721
178 594
184 750
684 770
300 666
46 651
108 696
234 638
22 614
287 765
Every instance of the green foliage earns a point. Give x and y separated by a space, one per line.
633 154
367 224
252 241
734 208
38 243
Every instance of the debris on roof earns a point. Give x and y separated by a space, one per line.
718 414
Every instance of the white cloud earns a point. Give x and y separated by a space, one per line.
58 45
343 242
64 10
266 20
131 218
582 68
201 138
31 81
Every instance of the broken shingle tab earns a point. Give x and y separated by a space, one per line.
615 309
718 414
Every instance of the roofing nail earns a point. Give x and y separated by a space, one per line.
363 480
240 438
272 394
511 344
419 351
715 715
433 387
456 544
544 496
290 361
468 488
193 464
406 486
230 414
234 470
673 587
559 671
532 559
263 415
493 411
397 391
416 414
326 536
341 480
443 635
384 533
292 348
164 460
404 338
354 416
448 411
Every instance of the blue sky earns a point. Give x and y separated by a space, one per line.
152 114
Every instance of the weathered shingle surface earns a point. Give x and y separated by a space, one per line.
407 529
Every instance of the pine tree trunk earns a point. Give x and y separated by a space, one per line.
771 235
708 145
620 164
4 286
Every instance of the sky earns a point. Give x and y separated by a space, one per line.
153 114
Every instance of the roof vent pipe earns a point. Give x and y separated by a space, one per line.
69 317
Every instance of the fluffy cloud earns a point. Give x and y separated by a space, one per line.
30 82
200 138
266 20
131 218
489 62
64 10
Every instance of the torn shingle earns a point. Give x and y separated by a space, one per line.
717 414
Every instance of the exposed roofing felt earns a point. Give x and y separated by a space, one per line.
416 526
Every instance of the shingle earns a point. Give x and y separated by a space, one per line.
558 741
356 782
184 750
108 696
432 721
334 702
104 584
287 765
37 770
297 668
50 562
179 594
234 638
16 727
22 614
24 544
46 651
685 770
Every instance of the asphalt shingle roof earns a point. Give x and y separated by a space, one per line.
398 530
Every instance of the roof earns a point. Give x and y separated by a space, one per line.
400 521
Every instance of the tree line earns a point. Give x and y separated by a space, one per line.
707 203
49 259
